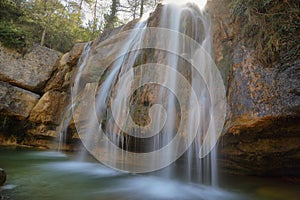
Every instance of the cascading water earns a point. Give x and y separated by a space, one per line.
144 97
67 117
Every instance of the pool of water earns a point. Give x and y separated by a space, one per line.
42 175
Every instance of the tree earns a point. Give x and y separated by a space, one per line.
10 9
111 18
136 8
44 12
95 19
142 8
81 2
131 7
58 24
11 34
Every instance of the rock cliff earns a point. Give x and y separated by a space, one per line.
262 132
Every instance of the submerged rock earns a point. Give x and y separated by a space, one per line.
2 176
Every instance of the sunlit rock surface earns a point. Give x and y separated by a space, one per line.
30 70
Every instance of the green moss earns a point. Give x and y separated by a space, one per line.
272 28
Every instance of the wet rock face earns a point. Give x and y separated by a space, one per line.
269 146
261 135
190 25
2 176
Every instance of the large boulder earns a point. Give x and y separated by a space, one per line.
15 101
29 71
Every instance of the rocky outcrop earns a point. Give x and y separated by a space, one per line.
263 124
63 76
28 118
30 71
261 135
49 108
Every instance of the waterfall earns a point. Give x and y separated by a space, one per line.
145 96
67 117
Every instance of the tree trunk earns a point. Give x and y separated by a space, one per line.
95 17
134 9
142 8
113 14
43 36
80 5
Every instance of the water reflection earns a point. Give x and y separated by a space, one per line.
36 175
80 167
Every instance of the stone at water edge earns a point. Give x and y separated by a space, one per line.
2 176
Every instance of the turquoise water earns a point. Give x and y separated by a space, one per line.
39 175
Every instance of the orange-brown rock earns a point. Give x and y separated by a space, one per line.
50 108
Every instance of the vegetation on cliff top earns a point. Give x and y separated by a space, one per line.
58 24
272 26
49 23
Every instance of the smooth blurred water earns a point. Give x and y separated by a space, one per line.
37 175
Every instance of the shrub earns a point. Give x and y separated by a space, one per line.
272 26
12 36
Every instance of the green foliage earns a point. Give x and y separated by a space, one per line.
12 36
111 18
57 24
23 23
273 26
10 9
11 33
